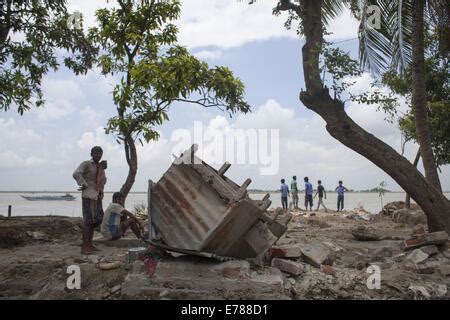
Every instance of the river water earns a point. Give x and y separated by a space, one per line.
21 207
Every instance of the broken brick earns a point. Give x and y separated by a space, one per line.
436 238
288 266
285 252
418 230
329 270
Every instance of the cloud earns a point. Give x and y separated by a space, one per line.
15 145
225 24
60 96
208 54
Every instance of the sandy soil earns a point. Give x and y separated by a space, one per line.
36 251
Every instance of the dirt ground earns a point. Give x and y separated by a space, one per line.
36 251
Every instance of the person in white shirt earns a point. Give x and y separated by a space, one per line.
90 176
117 220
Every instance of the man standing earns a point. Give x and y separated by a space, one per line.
321 191
308 194
90 176
294 192
284 189
340 190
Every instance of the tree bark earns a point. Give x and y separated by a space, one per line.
419 100
131 156
415 163
344 129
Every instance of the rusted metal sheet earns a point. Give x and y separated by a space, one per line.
195 207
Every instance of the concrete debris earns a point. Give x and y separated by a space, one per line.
288 266
317 254
116 289
444 270
382 253
417 256
409 217
334 247
36 235
427 267
419 290
363 233
109 265
359 214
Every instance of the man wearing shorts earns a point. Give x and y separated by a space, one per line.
308 194
117 220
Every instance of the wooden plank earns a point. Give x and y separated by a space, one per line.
237 221
224 169
151 231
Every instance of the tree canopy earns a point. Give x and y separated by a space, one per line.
138 43
32 33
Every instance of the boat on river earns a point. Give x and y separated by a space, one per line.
66 197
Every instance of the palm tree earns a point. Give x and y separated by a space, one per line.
399 43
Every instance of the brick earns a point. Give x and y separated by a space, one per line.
418 230
329 270
237 269
436 238
285 252
288 266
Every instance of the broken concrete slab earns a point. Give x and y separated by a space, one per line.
436 238
417 256
409 217
189 278
382 253
288 266
317 254
431 250
444 270
363 233
427 267
333 246
288 251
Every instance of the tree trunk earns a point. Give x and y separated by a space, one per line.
415 163
131 156
419 100
343 128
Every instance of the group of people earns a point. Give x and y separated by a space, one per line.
309 191
114 222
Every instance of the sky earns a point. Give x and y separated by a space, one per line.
41 149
